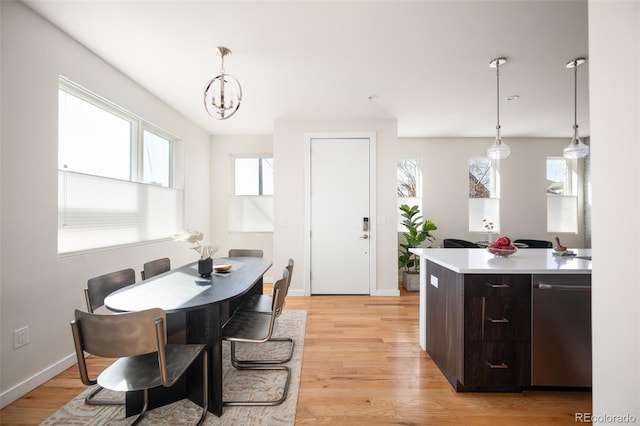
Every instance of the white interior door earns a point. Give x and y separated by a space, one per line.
339 216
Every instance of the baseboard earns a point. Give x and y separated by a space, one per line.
377 293
36 380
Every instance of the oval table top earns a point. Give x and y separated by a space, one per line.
183 289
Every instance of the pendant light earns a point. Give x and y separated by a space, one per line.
576 148
498 150
222 94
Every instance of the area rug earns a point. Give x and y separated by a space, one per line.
262 384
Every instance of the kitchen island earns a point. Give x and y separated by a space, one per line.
496 323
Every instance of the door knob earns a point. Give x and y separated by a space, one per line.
364 237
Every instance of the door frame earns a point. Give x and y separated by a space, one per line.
308 137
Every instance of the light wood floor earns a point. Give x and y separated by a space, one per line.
362 365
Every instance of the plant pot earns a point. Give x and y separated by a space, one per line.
205 267
411 281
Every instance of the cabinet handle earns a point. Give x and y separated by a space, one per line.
502 365
498 285
502 320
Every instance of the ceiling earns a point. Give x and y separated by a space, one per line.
426 61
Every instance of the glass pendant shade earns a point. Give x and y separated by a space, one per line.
498 150
576 148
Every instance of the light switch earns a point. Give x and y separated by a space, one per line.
434 281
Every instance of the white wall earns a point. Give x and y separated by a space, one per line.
37 288
614 81
523 199
288 239
223 150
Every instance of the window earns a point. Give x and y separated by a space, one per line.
408 178
253 176
251 206
115 178
408 186
484 195
562 200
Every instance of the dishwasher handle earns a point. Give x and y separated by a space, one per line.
562 287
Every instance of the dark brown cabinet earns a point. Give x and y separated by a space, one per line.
479 328
497 331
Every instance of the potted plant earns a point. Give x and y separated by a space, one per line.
417 232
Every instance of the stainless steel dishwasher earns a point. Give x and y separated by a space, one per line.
561 330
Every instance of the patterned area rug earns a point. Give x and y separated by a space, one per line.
263 384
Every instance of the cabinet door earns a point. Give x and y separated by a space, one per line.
497 318
497 364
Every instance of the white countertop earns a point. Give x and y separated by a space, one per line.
524 261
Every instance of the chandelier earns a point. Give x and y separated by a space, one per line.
222 94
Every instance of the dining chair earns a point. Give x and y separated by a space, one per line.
258 327
454 243
155 267
100 287
145 360
264 302
535 243
246 252
97 289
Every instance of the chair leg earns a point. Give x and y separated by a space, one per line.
236 362
91 400
144 408
256 366
274 402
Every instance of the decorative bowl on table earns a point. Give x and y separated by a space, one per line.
225 267
502 247
502 252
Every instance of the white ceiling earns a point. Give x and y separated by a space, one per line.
427 61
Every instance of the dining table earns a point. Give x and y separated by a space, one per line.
197 307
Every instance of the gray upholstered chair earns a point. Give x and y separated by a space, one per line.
258 327
155 267
535 243
454 243
97 289
246 252
139 341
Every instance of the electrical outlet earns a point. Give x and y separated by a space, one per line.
20 337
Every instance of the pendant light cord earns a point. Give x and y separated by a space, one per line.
575 94
498 95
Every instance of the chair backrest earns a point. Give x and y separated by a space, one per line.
245 252
536 243
100 287
289 269
454 243
155 267
279 294
120 335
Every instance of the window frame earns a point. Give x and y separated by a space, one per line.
566 204
260 158
148 225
